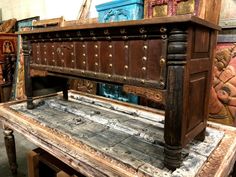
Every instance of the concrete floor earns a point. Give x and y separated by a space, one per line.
22 147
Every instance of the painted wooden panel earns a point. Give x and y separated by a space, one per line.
120 10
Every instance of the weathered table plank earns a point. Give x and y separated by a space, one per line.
82 133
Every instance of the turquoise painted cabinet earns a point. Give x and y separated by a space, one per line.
120 10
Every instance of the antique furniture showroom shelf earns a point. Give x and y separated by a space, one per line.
168 56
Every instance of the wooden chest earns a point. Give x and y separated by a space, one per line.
200 8
120 10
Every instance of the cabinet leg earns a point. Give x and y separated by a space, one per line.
201 135
30 104
10 149
172 156
65 91
65 94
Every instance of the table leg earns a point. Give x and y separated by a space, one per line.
10 149
65 91
28 80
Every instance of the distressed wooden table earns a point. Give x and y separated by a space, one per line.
100 137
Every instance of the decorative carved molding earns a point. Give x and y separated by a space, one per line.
83 85
223 94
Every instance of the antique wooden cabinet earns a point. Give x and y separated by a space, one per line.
171 56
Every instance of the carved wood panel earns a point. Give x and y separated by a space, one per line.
197 96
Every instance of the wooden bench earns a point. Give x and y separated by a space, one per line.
172 56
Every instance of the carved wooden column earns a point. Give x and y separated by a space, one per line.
10 148
175 101
28 80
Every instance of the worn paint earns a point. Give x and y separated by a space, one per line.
131 136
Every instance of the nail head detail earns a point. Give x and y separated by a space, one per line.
162 29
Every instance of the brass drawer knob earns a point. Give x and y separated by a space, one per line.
162 61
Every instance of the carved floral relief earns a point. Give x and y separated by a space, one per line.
223 93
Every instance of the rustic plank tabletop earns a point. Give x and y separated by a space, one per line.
104 138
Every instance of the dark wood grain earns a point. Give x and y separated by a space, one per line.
173 55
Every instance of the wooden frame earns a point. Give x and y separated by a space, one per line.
92 163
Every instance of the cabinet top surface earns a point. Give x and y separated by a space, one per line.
157 20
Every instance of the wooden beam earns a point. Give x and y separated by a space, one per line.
84 10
